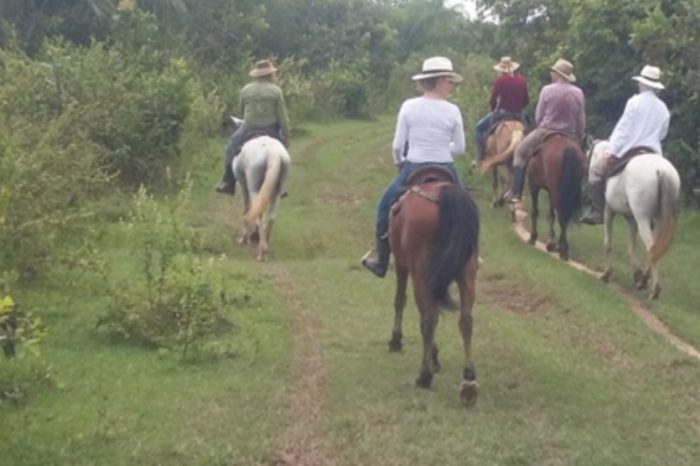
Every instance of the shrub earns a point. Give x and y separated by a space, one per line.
179 300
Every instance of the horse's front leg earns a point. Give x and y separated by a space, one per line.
638 275
497 199
246 230
469 388
429 315
608 216
399 305
535 212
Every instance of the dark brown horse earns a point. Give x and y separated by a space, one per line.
500 146
434 236
556 167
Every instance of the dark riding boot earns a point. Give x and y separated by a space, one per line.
516 191
379 262
594 216
228 182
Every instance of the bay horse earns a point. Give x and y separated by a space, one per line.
646 194
500 146
434 235
557 167
261 170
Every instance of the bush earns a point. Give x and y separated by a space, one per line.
179 300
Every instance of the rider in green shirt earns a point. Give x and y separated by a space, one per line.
264 112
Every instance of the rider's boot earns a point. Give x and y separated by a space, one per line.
516 191
377 259
594 216
228 183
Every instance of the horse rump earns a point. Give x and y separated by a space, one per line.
456 240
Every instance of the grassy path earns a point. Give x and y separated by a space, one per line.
568 375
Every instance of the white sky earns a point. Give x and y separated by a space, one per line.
467 6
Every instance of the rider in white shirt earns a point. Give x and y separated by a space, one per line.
644 123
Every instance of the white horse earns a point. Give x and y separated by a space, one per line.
261 170
646 194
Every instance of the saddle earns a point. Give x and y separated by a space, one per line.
551 135
622 162
430 174
502 118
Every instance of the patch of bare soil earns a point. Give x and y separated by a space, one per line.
301 443
513 297
635 304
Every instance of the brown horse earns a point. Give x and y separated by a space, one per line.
500 146
434 234
557 167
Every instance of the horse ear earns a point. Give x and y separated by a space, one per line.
588 142
236 121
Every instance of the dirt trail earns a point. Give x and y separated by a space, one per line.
635 304
301 443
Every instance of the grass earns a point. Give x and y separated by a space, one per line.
568 374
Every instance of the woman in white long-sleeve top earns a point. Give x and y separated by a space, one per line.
429 130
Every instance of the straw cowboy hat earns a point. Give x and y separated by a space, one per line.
650 76
506 65
437 66
565 69
262 68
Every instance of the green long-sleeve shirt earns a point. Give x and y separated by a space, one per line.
262 104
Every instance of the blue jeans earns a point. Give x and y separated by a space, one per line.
396 188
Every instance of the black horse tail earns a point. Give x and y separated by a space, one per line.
456 240
570 186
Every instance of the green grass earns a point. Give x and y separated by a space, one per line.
568 374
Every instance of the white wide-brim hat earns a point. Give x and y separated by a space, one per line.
438 66
506 65
650 76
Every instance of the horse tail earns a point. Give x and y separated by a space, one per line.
570 185
269 186
456 240
668 215
515 138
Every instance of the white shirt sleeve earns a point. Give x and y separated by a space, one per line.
400 136
458 141
624 128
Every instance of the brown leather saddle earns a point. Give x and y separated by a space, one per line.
622 162
554 134
428 174
501 119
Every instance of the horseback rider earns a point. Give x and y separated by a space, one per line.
262 105
508 99
560 109
432 129
644 123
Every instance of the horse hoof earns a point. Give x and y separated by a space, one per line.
655 294
552 247
395 345
532 240
564 256
469 392
424 380
605 278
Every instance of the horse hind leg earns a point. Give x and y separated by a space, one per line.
395 343
469 388
534 212
552 245
429 315
264 227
